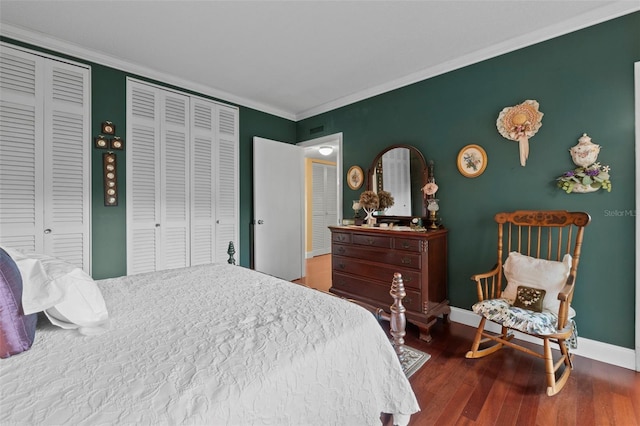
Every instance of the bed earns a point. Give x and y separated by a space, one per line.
214 344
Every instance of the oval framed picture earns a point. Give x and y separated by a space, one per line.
355 177
472 160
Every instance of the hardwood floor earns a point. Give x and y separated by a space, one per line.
507 387
318 272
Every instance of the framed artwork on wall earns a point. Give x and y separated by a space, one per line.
355 177
472 160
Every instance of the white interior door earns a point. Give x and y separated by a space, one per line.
278 184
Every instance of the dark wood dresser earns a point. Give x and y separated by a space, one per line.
364 260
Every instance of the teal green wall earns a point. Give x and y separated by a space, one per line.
584 83
108 102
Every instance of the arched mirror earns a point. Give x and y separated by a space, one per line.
400 170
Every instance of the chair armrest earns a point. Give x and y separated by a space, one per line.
488 284
564 296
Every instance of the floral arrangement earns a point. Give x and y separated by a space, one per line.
385 200
369 200
595 176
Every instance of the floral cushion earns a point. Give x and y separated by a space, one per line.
502 312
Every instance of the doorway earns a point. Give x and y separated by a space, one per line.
333 206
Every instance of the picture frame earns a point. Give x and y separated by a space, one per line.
355 177
108 128
472 161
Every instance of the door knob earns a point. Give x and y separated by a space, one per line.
260 221
47 231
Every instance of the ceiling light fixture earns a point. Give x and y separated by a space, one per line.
325 150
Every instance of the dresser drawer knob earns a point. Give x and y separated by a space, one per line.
370 241
405 245
341 250
406 261
341 265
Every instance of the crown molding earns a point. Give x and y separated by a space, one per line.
81 53
596 16
605 13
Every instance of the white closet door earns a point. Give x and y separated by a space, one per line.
203 141
143 177
331 200
215 188
44 156
66 148
21 150
181 178
318 225
324 209
174 187
227 183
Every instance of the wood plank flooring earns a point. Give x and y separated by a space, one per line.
507 387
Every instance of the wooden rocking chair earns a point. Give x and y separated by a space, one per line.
537 250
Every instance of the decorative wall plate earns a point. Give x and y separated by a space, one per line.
355 177
472 160
108 128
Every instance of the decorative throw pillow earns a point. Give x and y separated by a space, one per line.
17 330
529 298
548 275
65 293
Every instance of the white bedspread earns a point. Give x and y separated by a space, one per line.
210 345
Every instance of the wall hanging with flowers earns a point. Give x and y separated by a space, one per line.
590 175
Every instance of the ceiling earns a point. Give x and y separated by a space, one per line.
295 59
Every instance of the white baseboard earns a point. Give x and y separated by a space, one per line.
599 351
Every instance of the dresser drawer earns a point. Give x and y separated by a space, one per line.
375 271
341 237
376 291
382 241
389 257
409 244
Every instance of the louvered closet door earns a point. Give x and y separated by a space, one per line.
215 181
21 150
143 177
324 206
174 191
203 135
44 156
157 179
227 183
66 148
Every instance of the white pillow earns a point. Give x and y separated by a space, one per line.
544 274
68 296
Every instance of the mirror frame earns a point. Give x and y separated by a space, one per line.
423 162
